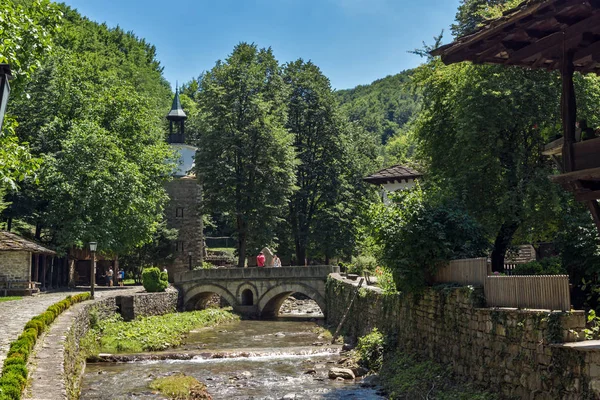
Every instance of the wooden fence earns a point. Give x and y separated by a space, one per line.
471 271
527 291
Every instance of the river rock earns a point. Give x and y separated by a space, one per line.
247 374
310 372
344 373
279 334
289 396
370 381
360 371
347 347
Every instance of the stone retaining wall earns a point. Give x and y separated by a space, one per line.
524 353
138 304
147 304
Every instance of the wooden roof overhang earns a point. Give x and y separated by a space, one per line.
562 35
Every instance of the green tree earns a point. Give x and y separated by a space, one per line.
26 31
246 161
94 114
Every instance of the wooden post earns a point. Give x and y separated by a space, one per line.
44 264
36 260
568 109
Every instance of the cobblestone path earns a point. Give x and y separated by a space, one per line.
15 314
46 363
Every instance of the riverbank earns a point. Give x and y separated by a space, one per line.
515 353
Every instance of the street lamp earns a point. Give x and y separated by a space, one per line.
93 248
5 75
190 256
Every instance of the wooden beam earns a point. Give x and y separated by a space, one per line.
587 196
592 174
568 110
595 210
572 35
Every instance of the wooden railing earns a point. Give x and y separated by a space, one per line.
471 271
540 292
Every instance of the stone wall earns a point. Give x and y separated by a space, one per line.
147 304
15 265
522 353
182 212
143 304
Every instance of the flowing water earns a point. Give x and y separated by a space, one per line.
283 358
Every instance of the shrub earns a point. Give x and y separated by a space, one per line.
362 263
153 280
418 235
547 266
370 350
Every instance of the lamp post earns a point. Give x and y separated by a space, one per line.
5 75
190 256
93 248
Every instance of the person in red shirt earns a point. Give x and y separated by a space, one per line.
260 259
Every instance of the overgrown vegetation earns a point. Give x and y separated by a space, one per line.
180 387
404 376
370 350
154 280
419 233
14 370
546 266
155 333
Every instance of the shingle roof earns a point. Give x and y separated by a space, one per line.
176 113
391 174
11 242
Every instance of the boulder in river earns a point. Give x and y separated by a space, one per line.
370 381
360 371
345 373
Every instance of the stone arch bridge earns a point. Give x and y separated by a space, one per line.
258 292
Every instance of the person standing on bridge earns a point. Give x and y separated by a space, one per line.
260 259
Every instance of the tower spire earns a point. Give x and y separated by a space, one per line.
176 118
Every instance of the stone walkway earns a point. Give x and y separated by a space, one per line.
47 368
15 314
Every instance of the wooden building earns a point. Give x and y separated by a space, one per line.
561 35
24 266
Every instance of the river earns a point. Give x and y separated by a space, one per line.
283 358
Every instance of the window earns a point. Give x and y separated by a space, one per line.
179 212
179 246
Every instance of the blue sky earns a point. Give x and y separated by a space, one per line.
353 41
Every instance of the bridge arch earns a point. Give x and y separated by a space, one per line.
202 292
270 302
242 292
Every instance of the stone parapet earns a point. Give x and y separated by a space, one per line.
529 354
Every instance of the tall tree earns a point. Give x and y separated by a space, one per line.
94 115
319 143
246 161
27 31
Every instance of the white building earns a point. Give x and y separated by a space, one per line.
398 177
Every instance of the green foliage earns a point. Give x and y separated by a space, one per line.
152 333
92 112
14 370
370 350
418 234
179 386
362 263
385 280
26 31
547 266
154 280
329 173
383 107
405 376
245 161
592 331
10 298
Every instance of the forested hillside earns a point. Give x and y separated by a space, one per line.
384 108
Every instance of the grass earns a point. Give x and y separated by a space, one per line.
180 386
129 282
229 250
150 333
404 376
10 298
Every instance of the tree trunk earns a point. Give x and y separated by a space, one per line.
300 252
503 239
